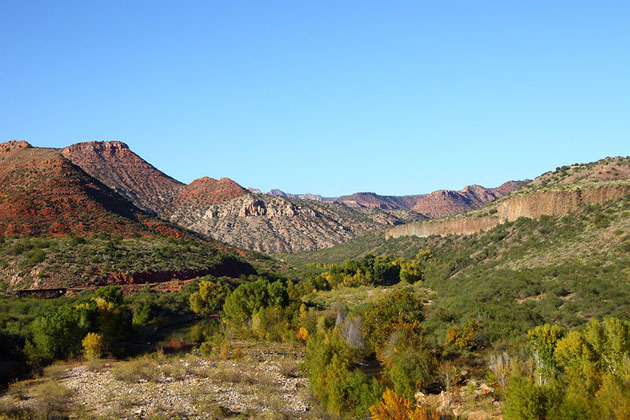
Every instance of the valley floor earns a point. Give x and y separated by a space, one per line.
262 382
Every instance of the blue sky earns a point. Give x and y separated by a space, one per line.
329 97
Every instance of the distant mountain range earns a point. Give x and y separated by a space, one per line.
132 196
436 204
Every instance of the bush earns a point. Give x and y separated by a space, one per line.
92 346
133 370
395 407
206 349
51 400
380 319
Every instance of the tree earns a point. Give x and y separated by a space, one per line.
462 337
525 400
401 306
92 346
543 340
209 297
252 296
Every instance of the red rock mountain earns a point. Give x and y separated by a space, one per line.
280 222
115 165
44 194
447 203
437 204
207 191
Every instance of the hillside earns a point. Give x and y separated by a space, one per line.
274 224
551 194
116 166
44 194
561 269
43 263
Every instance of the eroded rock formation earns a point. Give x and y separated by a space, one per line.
533 205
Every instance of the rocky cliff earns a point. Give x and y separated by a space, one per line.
554 202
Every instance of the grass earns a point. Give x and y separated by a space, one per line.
135 370
51 399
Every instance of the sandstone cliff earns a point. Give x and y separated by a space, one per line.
552 194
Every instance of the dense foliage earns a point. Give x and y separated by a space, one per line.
84 261
584 374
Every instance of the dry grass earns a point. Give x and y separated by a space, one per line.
51 400
132 371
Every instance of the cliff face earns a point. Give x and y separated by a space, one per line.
557 203
532 205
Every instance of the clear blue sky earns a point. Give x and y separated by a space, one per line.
329 97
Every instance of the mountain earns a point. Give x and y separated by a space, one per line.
373 200
224 210
206 191
115 165
273 222
44 194
306 196
436 204
447 203
60 227
554 193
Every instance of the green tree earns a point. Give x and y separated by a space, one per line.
209 297
543 340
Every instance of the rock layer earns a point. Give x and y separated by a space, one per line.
532 205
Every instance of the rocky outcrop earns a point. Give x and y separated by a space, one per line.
443 227
532 205
557 203
275 224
